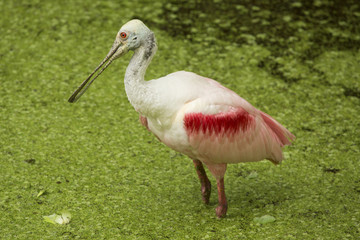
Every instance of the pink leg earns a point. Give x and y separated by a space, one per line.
222 207
218 171
204 180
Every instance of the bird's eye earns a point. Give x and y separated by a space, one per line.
123 35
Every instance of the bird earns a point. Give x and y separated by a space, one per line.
192 114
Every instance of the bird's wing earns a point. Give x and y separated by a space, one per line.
222 127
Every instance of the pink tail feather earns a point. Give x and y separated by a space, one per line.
283 136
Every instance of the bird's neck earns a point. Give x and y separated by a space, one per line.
137 89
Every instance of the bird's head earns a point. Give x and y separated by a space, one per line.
131 36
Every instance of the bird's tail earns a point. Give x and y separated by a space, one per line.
281 135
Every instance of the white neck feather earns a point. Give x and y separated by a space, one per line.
137 89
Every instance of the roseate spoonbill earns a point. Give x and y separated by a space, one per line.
194 115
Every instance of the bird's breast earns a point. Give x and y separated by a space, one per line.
171 132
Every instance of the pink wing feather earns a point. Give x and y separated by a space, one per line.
236 135
280 133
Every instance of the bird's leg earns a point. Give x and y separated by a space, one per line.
218 171
222 207
204 180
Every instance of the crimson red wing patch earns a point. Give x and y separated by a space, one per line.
220 124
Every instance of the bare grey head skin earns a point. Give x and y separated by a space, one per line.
130 37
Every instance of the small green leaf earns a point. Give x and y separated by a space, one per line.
51 218
264 219
40 193
252 175
62 219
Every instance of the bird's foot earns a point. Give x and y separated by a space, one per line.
206 191
221 210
